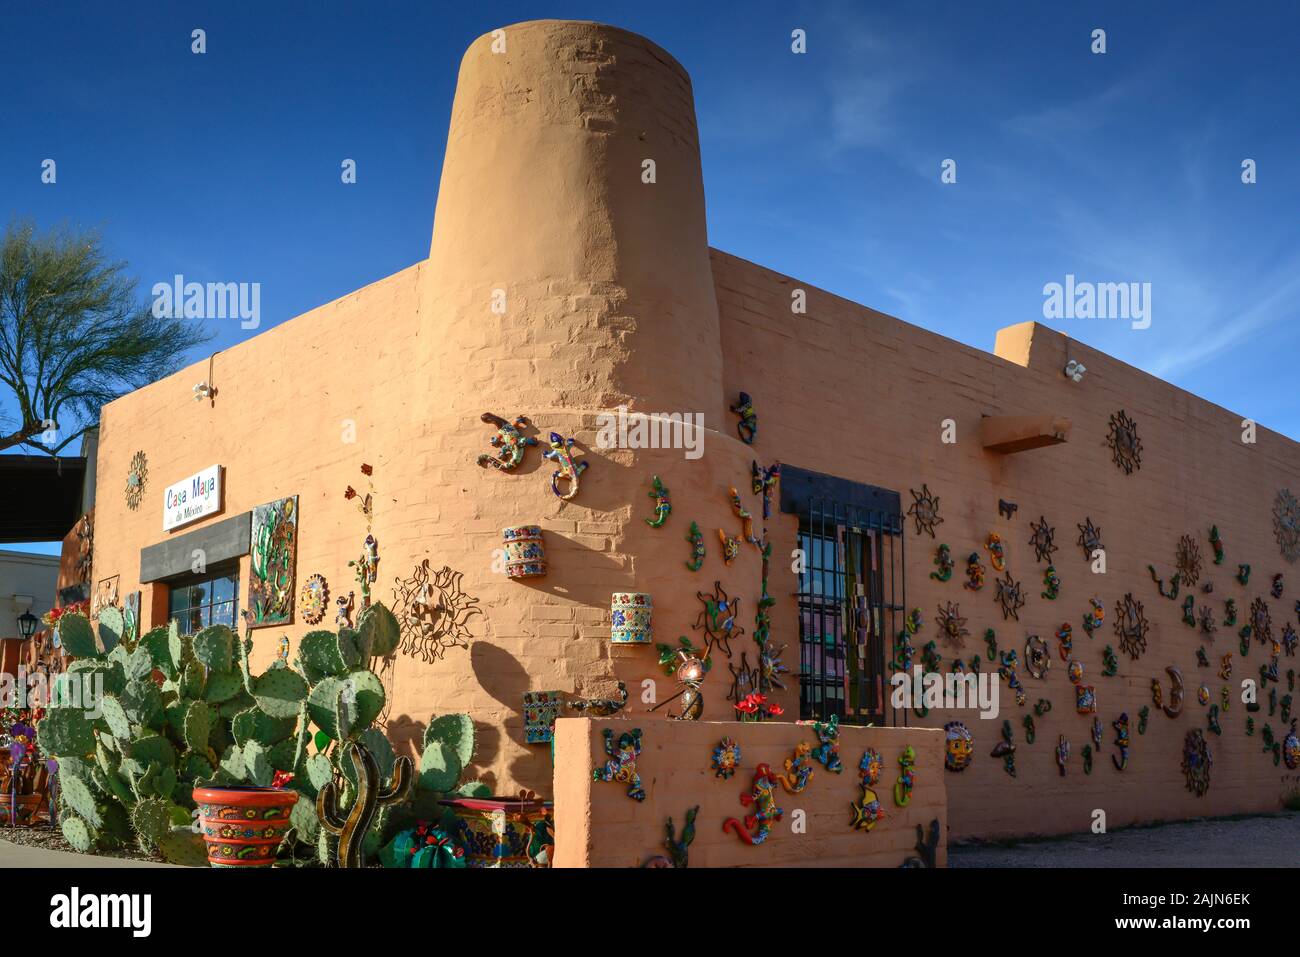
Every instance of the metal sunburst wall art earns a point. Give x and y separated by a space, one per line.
1131 626
1009 596
136 479
314 599
1125 446
1286 524
952 625
1261 621
1089 539
433 611
925 510
1187 558
1042 539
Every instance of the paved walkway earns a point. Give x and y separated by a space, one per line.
17 855
1262 841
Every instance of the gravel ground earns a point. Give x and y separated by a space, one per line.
1269 840
43 838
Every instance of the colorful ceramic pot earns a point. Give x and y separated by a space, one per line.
502 832
629 615
31 808
243 825
525 552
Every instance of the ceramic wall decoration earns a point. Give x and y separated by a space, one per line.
991 643
1051 584
137 477
509 442
314 599
1125 446
621 766
283 654
366 568
662 506
906 777
1212 720
1189 616
1131 626
1187 558
1174 707
433 611
1030 731
1261 621
943 561
1202 659
997 553
1093 618
629 615
952 626
541 708
1041 540
1009 596
1243 574
1276 588
1289 639
697 547
1207 623
1097 732
959 746
1143 714
1038 657
1085 699
761 798
827 753
343 608
690 666
730 547
726 758
1196 762
1089 539
1121 741
1062 754
525 551
746 520
1217 544
1074 671
273 547
1008 671
1291 748
1087 759
718 618
764 482
867 810
1174 583
1006 749
1286 524
1203 694
1007 509
567 470
974 572
798 769
1230 613
678 847
1065 641
747 427
925 510
1225 666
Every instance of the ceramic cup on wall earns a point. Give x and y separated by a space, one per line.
629 614
525 553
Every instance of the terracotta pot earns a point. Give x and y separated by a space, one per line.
525 551
497 832
243 825
629 615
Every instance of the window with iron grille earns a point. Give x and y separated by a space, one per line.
852 545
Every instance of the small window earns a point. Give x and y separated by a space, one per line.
200 601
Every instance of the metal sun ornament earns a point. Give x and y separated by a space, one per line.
313 600
1286 524
1089 539
1125 446
433 611
925 510
1041 540
1187 558
1197 761
137 477
952 625
1131 626
1009 596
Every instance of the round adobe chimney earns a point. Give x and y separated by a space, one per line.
558 278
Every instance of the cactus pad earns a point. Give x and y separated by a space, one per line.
362 694
456 732
379 631
439 768
223 686
213 648
111 627
152 820
280 692
65 732
323 654
115 717
151 749
77 833
182 846
198 726
78 796
77 638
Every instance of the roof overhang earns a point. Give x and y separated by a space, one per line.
40 497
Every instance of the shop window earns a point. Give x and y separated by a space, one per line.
199 601
848 613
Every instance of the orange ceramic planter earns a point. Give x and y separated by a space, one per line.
243 825
31 808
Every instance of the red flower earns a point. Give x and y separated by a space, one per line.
366 469
281 779
776 710
350 492
746 705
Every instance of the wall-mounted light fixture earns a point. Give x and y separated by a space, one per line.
1074 369
203 391
27 623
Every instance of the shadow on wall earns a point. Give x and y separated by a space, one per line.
406 734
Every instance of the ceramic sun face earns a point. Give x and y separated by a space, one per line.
959 746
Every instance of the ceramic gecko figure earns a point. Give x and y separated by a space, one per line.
509 442
621 766
762 798
561 453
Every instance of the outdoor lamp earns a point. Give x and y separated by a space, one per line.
1075 369
27 623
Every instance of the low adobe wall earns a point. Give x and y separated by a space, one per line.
598 825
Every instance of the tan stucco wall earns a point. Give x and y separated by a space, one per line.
598 825
613 296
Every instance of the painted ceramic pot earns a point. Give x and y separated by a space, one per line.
629 615
525 551
502 832
243 825
31 808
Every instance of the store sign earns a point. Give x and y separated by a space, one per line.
192 499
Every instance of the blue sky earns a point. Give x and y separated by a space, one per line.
1122 167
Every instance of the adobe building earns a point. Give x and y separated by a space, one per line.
561 286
